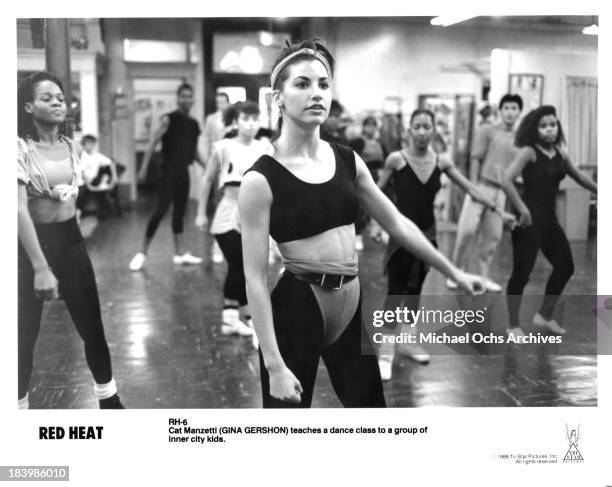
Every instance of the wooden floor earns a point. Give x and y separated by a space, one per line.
163 329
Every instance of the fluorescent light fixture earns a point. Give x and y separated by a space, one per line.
446 20
591 30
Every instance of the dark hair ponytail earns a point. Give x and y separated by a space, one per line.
423 111
316 45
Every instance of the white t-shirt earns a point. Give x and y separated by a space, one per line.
235 158
91 164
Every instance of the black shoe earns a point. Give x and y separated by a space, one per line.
112 402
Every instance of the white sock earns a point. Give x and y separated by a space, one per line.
23 403
104 391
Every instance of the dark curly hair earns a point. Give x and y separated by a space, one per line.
25 94
527 132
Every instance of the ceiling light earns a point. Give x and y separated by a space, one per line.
446 20
266 38
591 30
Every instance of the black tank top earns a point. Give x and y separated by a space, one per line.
415 199
541 179
180 141
300 209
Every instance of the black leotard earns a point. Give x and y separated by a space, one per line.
541 179
300 209
415 199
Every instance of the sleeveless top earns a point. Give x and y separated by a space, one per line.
179 143
30 171
299 209
541 179
235 159
415 199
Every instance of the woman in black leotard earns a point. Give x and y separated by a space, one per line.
52 256
416 173
307 197
543 162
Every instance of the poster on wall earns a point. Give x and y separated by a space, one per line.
529 86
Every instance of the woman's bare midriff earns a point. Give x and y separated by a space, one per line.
231 191
46 210
334 245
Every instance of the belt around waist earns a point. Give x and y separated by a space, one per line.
325 281
232 183
488 182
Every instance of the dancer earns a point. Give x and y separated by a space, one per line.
416 173
99 177
52 257
369 148
215 129
494 150
543 163
232 157
307 197
178 133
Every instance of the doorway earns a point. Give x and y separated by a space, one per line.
239 53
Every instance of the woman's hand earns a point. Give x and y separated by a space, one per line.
478 196
525 219
285 386
470 283
509 219
64 192
45 284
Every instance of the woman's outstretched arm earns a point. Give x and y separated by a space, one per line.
405 232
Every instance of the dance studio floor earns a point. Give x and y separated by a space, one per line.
163 330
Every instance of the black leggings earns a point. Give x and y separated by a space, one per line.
299 329
67 256
405 274
234 287
174 188
545 234
405 277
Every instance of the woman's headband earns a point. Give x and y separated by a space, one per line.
308 51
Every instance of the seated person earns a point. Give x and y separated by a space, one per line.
99 176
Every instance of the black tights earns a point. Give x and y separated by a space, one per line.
547 235
174 188
299 330
405 277
405 274
234 287
67 256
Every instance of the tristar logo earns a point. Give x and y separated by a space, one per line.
573 454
